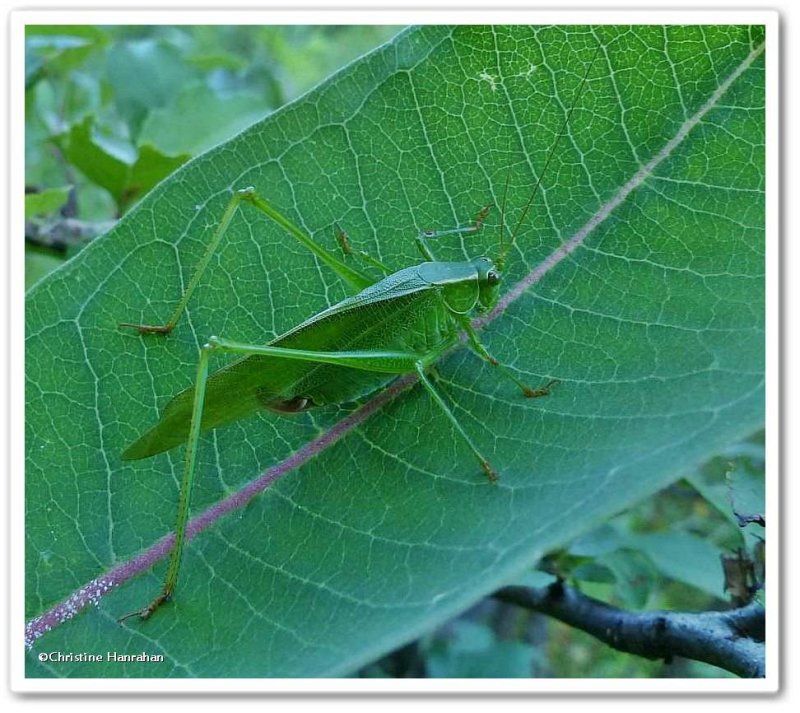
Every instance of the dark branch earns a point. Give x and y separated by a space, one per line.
732 640
67 232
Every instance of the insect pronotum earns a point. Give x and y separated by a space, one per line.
414 316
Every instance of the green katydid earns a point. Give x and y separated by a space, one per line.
399 324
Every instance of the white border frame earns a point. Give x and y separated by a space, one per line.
19 19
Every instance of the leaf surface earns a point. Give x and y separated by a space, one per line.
653 324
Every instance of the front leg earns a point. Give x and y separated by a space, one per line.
483 353
422 243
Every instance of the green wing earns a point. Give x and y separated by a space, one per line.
401 311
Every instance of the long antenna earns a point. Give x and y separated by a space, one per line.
501 260
503 219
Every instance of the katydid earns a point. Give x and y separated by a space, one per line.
399 324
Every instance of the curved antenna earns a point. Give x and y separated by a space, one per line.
505 250
501 237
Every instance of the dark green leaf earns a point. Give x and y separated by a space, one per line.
45 202
746 491
199 118
94 160
473 652
634 574
38 264
145 74
734 485
686 558
150 167
60 49
124 177
654 327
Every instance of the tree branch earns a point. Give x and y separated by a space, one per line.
65 233
732 640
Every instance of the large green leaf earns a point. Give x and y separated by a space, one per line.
653 324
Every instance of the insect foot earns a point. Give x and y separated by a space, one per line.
147 612
541 391
491 473
480 219
148 328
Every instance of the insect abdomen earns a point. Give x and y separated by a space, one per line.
404 315
414 323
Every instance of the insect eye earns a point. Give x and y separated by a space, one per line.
492 277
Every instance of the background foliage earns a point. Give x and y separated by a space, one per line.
111 111
655 330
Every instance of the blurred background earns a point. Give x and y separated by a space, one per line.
111 111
